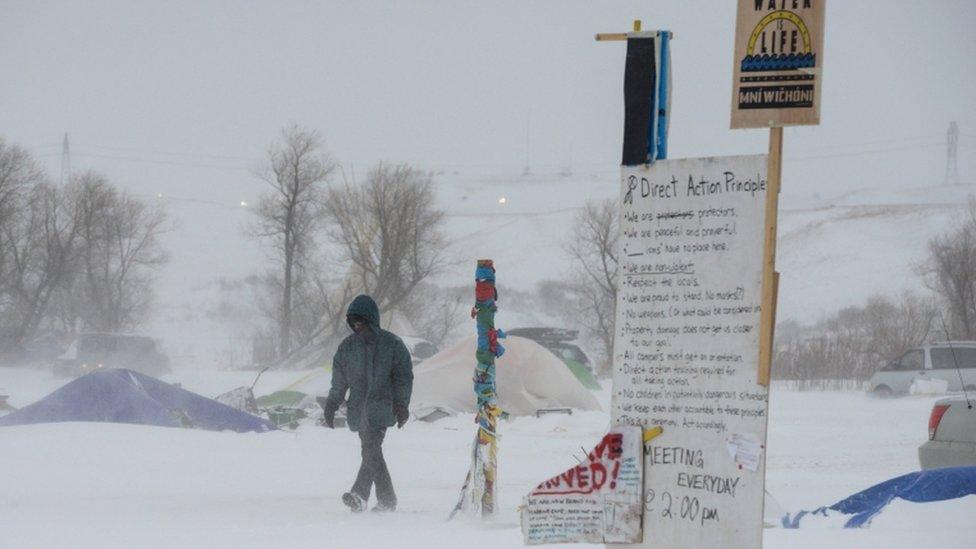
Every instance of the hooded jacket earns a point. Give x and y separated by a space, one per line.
374 368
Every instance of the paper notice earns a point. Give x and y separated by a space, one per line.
745 450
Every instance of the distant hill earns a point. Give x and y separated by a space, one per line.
860 244
833 251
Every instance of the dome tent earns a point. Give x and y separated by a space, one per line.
529 378
125 396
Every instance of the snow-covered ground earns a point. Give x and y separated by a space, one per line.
108 485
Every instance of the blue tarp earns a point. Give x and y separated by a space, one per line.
918 487
124 396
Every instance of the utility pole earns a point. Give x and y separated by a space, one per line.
65 161
952 149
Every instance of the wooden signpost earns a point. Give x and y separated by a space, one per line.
686 336
777 73
697 300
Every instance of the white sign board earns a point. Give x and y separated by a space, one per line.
687 346
597 501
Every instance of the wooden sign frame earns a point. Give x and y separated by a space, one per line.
778 63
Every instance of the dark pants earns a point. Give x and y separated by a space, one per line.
373 469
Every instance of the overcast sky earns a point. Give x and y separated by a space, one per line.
183 98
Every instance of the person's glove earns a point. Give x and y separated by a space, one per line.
402 415
328 412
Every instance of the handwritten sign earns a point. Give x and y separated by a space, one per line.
597 501
778 63
687 346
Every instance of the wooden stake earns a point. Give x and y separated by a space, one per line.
617 36
611 36
770 278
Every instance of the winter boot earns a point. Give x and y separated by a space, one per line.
384 507
354 502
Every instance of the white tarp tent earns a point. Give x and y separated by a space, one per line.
529 377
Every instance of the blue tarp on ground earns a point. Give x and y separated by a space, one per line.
918 487
124 396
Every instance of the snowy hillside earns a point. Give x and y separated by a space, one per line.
859 244
833 251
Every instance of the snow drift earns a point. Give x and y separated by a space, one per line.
125 396
529 377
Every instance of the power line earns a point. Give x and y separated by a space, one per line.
166 153
170 198
787 158
165 162
918 142
926 138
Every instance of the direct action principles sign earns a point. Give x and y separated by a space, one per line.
687 346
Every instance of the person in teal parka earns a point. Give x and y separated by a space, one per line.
373 366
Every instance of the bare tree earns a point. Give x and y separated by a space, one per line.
851 345
78 256
388 231
434 311
897 325
297 171
41 241
119 249
318 307
950 271
18 174
593 248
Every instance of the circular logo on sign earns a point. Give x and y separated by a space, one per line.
780 41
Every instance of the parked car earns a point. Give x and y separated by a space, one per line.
928 362
89 352
42 349
952 434
559 342
420 349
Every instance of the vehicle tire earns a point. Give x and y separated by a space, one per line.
882 391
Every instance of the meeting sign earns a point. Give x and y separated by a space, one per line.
687 343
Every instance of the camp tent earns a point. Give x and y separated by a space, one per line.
302 391
125 396
529 378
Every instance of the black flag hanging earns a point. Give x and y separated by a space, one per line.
646 97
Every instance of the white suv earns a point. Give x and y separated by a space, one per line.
928 362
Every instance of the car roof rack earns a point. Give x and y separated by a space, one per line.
545 334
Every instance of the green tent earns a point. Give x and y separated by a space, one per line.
281 398
582 373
